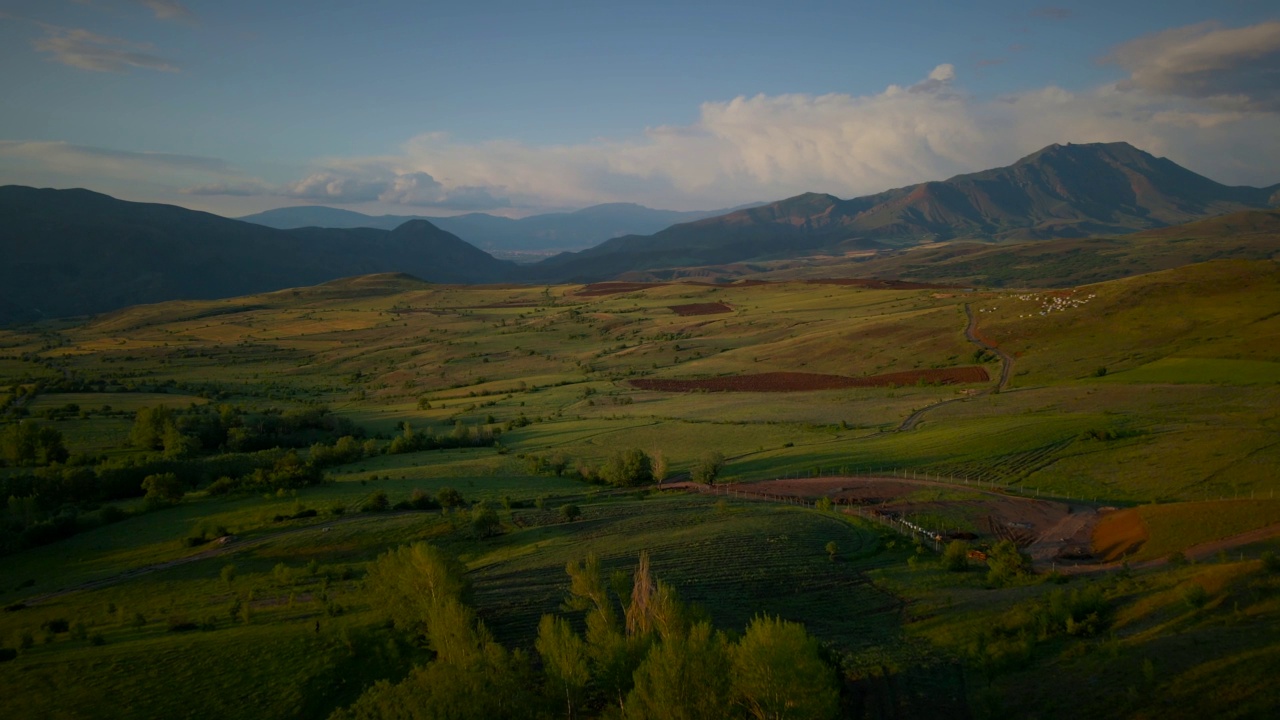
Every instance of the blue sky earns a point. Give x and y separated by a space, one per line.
519 107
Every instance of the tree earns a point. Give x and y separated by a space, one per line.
626 468
684 677
708 468
570 512
178 446
1006 562
779 673
149 426
162 489
377 502
28 443
407 584
449 498
660 467
832 549
564 660
485 521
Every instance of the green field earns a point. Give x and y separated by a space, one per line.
1160 388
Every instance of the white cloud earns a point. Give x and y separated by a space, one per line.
90 51
1234 68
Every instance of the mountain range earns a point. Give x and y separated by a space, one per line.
71 252
1059 191
549 231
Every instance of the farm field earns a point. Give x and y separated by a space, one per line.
1126 431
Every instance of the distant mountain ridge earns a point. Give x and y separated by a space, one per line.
549 231
1059 191
72 252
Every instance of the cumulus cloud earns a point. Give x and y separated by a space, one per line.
1235 68
101 53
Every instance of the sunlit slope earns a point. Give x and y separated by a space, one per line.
1185 408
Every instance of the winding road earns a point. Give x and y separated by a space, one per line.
1006 370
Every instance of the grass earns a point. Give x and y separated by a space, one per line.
1179 526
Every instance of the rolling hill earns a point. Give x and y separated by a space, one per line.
1071 191
72 252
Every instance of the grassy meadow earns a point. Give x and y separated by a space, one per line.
1159 393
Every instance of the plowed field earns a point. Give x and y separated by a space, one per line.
799 382
713 308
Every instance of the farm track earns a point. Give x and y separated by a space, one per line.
970 334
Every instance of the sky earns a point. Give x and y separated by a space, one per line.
515 108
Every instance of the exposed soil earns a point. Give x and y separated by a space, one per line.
713 308
875 284
799 382
1051 532
1120 533
614 288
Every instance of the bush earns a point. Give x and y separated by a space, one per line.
7 654
378 502
570 512
1195 596
56 625
1270 561
956 557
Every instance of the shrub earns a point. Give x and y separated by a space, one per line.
7 654
97 640
378 502
448 498
570 512
56 625
1195 596
956 557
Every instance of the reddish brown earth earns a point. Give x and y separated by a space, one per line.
712 308
1051 532
799 382
614 288
1119 533
874 284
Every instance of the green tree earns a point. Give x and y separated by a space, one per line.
570 512
149 427
564 661
708 468
1006 562
29 443
626 468
660 466
485 521
449 498
778 673
162 489
684 677
407 584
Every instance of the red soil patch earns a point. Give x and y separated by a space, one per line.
712 308
614 288
875 284
799 382
1118 534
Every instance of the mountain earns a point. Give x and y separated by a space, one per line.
72 252
1059 191
551 231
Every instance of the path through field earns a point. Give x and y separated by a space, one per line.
970 334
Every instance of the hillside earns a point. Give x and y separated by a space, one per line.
1062 191
549 231
72 252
